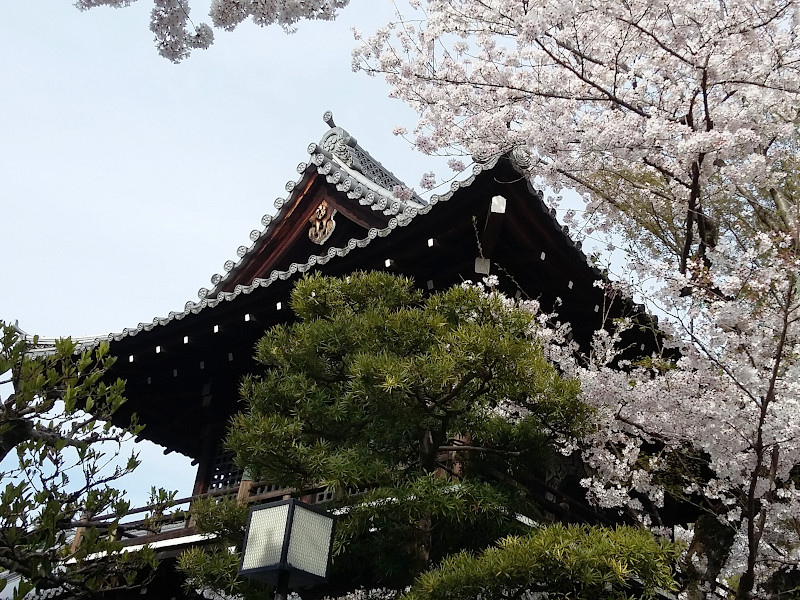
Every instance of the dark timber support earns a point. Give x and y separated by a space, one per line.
208 445
493 226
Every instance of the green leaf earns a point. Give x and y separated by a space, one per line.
23 588
70 399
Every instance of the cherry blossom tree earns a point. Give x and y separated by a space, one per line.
715 428
675 108
678 123
176 35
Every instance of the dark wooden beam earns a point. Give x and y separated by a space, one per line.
493 226
353 211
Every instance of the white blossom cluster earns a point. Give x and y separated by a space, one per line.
594 86
227 14
726 389
87 4
369 594
169 21
402 193
176 35
733 396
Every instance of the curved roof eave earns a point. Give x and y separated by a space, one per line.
357 187
208 301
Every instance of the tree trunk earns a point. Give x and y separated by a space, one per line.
12 433
428 454
428 451
712 541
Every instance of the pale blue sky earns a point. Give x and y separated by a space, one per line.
127 181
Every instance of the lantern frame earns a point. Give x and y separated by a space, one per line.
283 573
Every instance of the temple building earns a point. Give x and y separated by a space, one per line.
344 212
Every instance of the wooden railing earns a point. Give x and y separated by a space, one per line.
170 520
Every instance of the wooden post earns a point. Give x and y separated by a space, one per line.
76 540
204 466
207 447
245 485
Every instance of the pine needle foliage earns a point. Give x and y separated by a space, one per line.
576 562
373 380
425 414
377 388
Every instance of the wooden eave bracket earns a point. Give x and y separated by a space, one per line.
358 214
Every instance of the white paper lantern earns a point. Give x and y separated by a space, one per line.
288 537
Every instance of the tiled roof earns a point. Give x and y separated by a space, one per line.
348 167
354 172
209 300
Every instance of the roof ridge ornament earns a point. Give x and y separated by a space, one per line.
338 143
342 145
521 157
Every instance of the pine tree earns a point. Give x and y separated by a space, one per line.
434 412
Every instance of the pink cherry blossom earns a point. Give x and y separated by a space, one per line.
176 35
